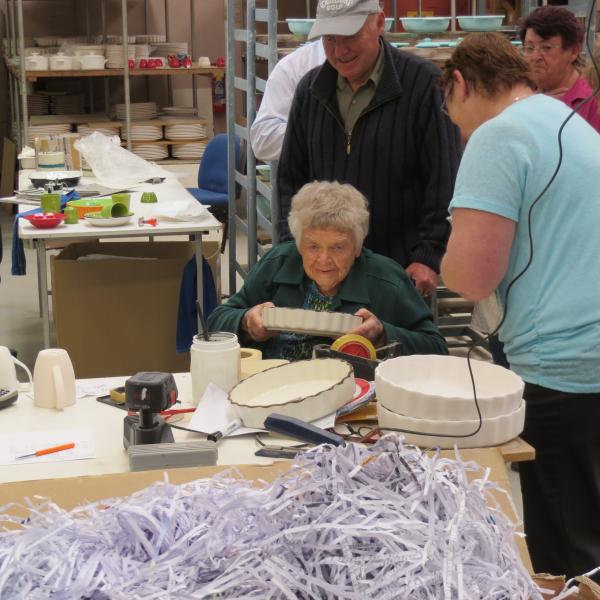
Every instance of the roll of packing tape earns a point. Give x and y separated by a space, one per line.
252 367
250 354
357 345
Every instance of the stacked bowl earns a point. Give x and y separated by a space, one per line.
430 399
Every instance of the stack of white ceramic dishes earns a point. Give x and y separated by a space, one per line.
430 394
150 151
71 104
166 48
46 130
114 55
150 38
179 111
142 50
144 133
108 130
185 131
37 104
139 111
189 151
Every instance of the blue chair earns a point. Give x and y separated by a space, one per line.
212 179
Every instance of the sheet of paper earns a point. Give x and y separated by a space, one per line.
25 442
215 412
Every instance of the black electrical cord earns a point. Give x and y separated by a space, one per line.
480 342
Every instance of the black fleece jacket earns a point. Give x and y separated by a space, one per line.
403 155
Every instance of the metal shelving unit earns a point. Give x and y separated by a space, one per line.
246 84
19 76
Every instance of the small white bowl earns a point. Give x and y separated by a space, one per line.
306 389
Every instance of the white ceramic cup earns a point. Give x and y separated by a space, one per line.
204 61
215 361
53 379
8 371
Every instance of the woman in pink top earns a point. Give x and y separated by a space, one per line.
552 40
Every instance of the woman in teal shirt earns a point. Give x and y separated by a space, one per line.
327 268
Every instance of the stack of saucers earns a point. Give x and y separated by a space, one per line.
108 130
150 151
144 133
188 151
114 55
139 111
179 111
185 131
430 400
46 130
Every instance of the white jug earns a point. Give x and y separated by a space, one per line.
8 371
53 379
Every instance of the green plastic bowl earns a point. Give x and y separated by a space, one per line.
425 24
300 26
86 205
389 21
481 23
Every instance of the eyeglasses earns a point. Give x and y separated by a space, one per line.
530 49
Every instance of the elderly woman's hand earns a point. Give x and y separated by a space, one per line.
371 327
252 323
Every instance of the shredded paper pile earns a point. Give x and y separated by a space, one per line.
350 522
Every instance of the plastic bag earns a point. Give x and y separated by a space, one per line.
113 166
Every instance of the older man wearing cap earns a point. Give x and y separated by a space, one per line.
371 116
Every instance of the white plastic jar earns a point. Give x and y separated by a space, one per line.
214 361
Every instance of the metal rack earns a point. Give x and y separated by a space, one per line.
247 84
19 76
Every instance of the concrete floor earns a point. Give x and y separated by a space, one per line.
21 325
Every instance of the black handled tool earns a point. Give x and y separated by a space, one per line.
301 430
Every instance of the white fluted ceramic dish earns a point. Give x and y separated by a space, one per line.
309 322
493 432
306 389
439 387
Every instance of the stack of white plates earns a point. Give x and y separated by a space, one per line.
430 398
193 151
114 55
46 130
37 104
139 111
71 104
184 131
142 50
166 48
108 130
145 133
150 152
150 38
179 111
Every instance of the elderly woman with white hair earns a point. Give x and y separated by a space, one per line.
326 268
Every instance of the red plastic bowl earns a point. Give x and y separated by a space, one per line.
45 221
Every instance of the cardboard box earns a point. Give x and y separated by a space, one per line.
117 316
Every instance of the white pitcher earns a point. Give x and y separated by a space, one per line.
8 371
53 379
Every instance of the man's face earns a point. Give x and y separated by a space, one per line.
354 56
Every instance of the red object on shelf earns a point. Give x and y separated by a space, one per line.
173 61
144 63
187 61
220 62
45 220
131 63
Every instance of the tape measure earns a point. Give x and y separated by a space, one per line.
357 345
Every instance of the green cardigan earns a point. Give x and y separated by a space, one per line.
374 282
